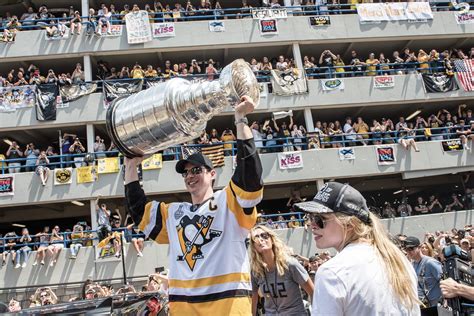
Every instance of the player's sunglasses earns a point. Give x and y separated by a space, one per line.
193 170
317 220
264 236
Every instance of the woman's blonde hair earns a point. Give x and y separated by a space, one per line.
431 252
391 255
280 251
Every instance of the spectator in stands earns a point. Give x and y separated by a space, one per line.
10 247
91 24
14 152
398 61
428 270
421 206
124 73
339 64
21 81
64 79
42 169
57 243
362 130
407 138
44 240
77 149
349 132
384 65
31 154
465 133
194 69
137 72
203 138
10 30
45 296
150 72
77 240
404 209
103 220
455 204
227 137
14 306
99 147
104 21
117 240
78 75
423 58
25 249
434 206
294 223
327 60
211 71
468 199
76 23
281 223
372 63
271 264
388 211
36 77
298 134
377 130
138 241
51 77
28 18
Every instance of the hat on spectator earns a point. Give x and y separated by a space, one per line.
335 197
412 242
464 240
196 159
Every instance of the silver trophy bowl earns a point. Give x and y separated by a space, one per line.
176 111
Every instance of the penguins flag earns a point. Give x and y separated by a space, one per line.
288 82
439 83
118 88
75 91
46 101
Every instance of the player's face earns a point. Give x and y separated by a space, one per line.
198 182
331 235
261 240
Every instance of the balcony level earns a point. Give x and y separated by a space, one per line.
242 32
318 164
358 92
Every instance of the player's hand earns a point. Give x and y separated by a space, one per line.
132 162
448 288
246 106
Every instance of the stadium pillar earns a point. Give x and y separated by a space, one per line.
319 183
84 8
308 119
297 56
90 137
93 218
87 68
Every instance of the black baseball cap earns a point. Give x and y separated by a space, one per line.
196 159
412 242
335 197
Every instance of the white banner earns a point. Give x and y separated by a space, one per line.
464 18
266 13
163 29
332 84
13 98
394 11
288 82
216 26
138 27
346 153
290 160
384 82
115 30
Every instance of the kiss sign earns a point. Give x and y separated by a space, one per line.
6 185
290 160
268 27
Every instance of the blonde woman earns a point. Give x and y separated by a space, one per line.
276 275
369 275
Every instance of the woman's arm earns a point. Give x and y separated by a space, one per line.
254 303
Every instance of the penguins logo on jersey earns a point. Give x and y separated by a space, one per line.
193 234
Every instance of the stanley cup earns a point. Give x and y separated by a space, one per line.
176 111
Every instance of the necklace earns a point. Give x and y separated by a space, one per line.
270 292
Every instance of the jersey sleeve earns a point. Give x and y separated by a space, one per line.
245 189
298 272
329 294
151 216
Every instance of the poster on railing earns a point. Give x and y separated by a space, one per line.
464 73
268 27
13 98
216 26
113 31
394 11
86 174
346 153
464 18
105 250
108 165
288 82
112 89
153 162
269 13
385 155
290 160
59 32
46 102
452 145
62 176
165 29
437 83
320 20
381 82
75 91
138 27
332 84
7 185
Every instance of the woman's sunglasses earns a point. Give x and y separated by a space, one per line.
194 171
264 236
317 220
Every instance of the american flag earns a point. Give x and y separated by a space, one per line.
214 152
464 73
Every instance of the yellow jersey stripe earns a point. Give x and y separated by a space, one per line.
162 237
220 279
146 217
246 195
234 306
245 221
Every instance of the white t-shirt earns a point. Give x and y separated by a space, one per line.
354 282
349 131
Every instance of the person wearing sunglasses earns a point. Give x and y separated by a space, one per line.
208 259
276 275
370 275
